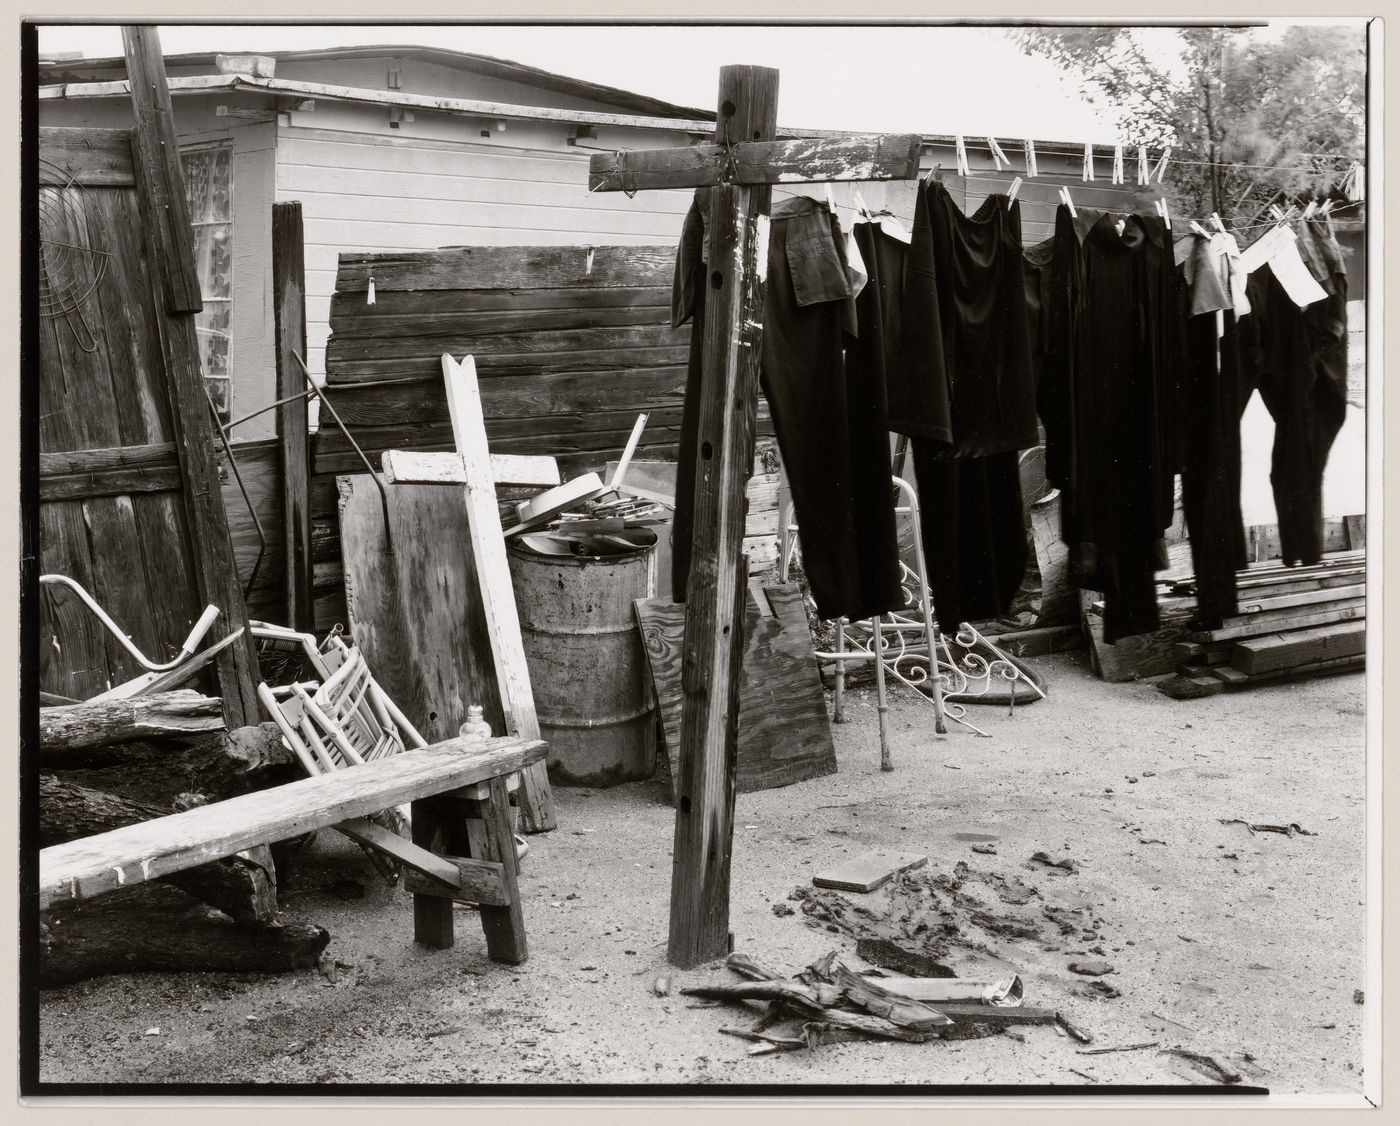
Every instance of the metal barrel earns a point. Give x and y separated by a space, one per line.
587 667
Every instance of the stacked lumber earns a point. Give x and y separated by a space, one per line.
1294 622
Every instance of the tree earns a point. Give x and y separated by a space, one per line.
1251 120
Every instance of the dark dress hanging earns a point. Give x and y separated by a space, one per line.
1215 391
1298 357
827 425
964 393
1108 399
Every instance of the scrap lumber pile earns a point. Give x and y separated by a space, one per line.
829 1003
113 763
1294 622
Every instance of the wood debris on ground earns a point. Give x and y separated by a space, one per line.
828 1002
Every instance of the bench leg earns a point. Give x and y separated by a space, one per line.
504 926
432 914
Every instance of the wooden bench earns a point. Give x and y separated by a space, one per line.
462 847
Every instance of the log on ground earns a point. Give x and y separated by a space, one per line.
78 727
158 929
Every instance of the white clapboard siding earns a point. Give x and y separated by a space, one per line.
369 193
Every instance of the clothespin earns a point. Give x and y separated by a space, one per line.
830 198
1064 195
1200 230
1276 211
1117 164
1161 169
1326 207
998 155
1311 207
1015 187
369 293
1215 220
1144 176
861 209
1032 169
1088 173
1162 207
960 150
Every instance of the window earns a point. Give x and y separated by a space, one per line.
209 191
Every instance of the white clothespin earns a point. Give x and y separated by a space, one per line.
1144 176
1162 208
1064 195
1161 169
1215 220
1200 230
1276 211
1015 187
1032 168
861 209
369 293
1311 207
1326 207
998 154
1117 164
1088 173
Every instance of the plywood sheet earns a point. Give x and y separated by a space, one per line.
784 731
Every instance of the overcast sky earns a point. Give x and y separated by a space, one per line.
929 79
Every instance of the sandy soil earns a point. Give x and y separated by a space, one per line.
1248 948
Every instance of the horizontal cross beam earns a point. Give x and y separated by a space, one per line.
807 160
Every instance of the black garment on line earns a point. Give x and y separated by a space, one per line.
964 393
1298 358
1108 398
1216 388
828 426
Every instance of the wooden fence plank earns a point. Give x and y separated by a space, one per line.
85 157
509 267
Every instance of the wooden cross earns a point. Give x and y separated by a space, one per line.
473 466
740 167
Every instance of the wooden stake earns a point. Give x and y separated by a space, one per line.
289 309
160 187
748 98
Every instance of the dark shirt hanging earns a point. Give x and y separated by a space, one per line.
965 374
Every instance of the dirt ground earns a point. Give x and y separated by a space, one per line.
1247 947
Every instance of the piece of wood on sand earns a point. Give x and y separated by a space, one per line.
869 870
158 929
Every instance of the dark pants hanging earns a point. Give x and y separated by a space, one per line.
1214 403
830 443
1302 381
974 532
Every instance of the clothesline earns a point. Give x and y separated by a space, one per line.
790 193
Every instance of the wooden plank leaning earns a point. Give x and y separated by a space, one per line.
497 593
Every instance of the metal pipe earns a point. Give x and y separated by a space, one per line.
201 627
264 410
379 484
247 500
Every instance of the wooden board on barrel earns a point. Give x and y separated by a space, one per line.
784 732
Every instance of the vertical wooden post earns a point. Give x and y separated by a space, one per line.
160 185
289 306
714 608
